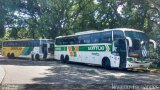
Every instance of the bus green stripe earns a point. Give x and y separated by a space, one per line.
110 47
86 48
94 48
73 48
27 50
61 48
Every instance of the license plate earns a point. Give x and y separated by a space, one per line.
141 66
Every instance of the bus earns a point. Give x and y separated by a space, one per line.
35 49
110 48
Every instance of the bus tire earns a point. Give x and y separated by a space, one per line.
106 63
8 55
12 56
66 59
62 59
32 57
37 57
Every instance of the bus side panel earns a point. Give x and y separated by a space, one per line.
15 50
60 50
74 53
5 51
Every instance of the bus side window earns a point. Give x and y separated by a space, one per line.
106 37
76 41
7 44
17 43
80 40
11 43
71 40
59 41
35 43
85 39
118 35
95 38
4 43
27 43
65 41
23 44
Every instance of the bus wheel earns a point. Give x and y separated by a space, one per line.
37 57
62 59
8 55
66 59
12 56
106 63
32 57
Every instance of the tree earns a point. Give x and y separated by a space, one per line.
2 18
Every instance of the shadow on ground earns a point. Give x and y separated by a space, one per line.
69 74
26 62
75 73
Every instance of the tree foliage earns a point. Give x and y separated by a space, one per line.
50 18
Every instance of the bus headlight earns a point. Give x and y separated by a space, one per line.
135 60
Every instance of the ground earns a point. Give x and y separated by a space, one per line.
19 71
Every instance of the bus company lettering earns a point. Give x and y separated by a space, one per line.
16 48
96 48
58 48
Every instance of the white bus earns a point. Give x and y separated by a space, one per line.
119 48
36 49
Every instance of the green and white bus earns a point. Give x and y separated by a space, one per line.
119 48
36 49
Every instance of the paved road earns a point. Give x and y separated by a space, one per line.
54 72
42 72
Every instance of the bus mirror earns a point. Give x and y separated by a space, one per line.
153 42
129 41
142 42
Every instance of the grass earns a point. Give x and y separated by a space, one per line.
153 70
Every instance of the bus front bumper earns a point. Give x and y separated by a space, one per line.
138 64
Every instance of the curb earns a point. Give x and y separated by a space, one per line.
2 74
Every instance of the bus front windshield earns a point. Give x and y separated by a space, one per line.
137 48
136 35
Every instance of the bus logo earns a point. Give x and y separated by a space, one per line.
73 50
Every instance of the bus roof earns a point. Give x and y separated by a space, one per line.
84 32
95 31
25 40
123 29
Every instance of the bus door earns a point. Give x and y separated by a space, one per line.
44 51
122 52
51 49
118 37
